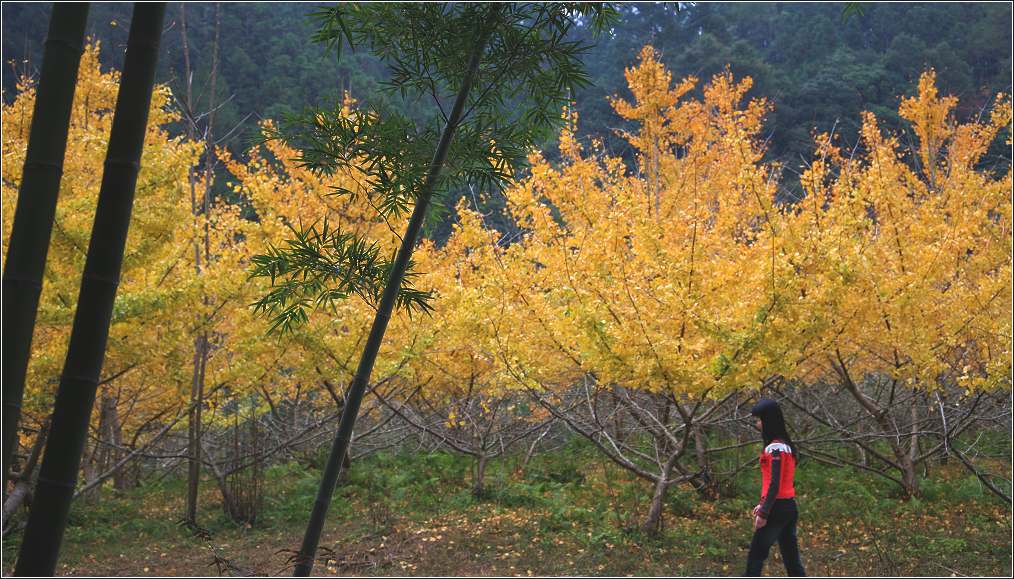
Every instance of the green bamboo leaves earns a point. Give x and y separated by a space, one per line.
321 265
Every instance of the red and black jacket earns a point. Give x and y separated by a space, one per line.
778 468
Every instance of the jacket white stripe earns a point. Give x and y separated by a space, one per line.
780 446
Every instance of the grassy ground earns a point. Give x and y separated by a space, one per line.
568 514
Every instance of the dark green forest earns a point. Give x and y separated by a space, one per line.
818 66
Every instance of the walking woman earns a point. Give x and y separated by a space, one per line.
775 517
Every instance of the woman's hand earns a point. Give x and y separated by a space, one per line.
758 522
756 511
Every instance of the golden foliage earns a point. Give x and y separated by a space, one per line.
680 276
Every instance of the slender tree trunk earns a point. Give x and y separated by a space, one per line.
478 482
33 216
228 500
194 431
653 522
201 344
116 441
26 478
107 409
90 473
910 461
343 475
706 487
909 478
194 414
101 456
905 458
40 546
308 550
863 459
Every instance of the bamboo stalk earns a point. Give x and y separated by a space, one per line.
308 550
33 216
40 546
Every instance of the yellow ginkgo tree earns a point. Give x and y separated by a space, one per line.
903 266
306 371
141 371
650 289
453 385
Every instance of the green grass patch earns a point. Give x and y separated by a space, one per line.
568 513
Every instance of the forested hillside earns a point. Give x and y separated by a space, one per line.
267 66
818 68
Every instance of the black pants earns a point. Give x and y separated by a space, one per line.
781 527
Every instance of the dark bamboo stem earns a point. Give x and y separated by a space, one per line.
33 217
40 546
304 561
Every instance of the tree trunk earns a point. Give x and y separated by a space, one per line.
706 484
201 345
308 550
909 478
33 216
905 459
111 437
910 461
653 522
194 414
116 441
103 453
40 546
228 501
91 474
478 479
863 459
194 431
26 478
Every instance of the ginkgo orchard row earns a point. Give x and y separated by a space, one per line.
668 288
638 304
